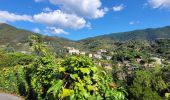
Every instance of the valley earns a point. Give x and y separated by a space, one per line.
133 65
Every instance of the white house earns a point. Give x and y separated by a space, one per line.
102 50
97 56
108 57
72 50
99 53
158 60
90 55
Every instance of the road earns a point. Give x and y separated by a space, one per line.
4 96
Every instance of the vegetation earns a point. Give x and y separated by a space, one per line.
76 77
137 70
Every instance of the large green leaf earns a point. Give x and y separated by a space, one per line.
56 87
61 69
66 92
74 76
85 70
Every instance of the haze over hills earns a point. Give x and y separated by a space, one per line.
17 38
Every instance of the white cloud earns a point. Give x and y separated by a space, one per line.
47 9
6 16
55 18
54 30
60 19
165 4
36 30
134 22
118 8
38 0
83 8
71 15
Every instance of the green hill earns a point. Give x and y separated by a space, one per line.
18 38
145 34
107 41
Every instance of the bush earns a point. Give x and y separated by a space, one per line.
73 78
8 80
80 78
13 59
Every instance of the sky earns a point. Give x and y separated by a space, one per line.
79 19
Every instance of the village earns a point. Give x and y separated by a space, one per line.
103 59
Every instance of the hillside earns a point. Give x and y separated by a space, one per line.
107 41
145 34
10 34
17 38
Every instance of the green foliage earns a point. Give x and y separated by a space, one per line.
74 78
42 73
12 79
13 59
80 79
8 81
41 76
147 85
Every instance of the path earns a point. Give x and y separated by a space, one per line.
4 96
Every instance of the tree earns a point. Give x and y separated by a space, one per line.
146 86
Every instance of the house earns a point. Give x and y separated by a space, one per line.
90 55
138 60
99 53
102 51
19 44
157 60
69 48
83 53
25 52
108 57
97 56
148 66
72 50
151 66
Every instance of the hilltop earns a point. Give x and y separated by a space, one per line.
108 40
18 38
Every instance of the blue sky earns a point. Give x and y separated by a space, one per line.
78 19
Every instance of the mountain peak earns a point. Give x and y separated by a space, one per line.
4 25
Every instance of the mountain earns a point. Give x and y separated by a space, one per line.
106 41
17 38
145 34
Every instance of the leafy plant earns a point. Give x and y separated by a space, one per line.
80 78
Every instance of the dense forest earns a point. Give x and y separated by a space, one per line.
123 69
